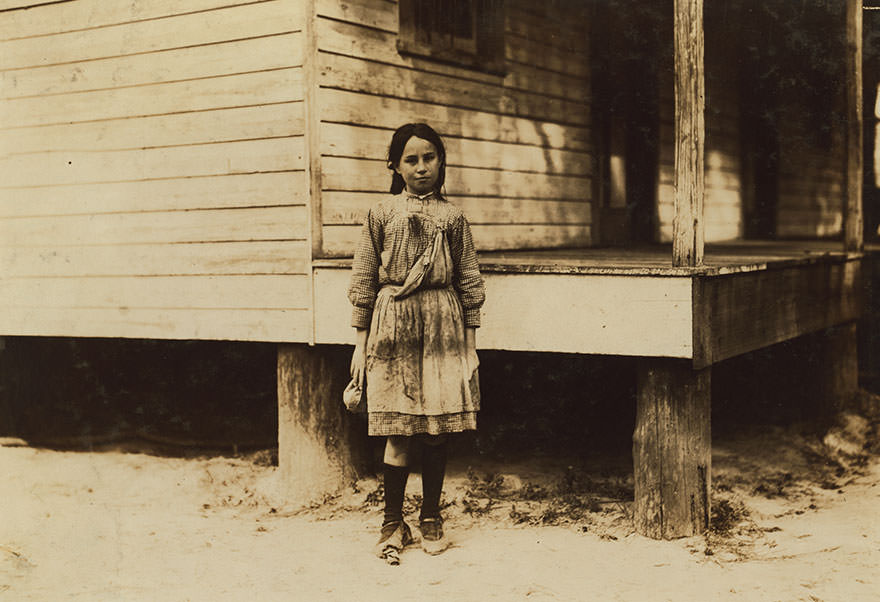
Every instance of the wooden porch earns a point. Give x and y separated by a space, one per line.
632 301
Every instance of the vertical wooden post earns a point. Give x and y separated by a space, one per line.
321 448
690 104
312 108
672 449
853 218
838 369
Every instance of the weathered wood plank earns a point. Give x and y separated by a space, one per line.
190 30
360 42
342 140
21 4
672 449
225 191
249 89
92 14
559 60
744 312
388 80
321 450
159 292
687 225
558 28
275 257
366 175
221 125
219 324
270 223
615 315
340 241
378 14
224 58
314 162
343 106
853 223
66 167
352 207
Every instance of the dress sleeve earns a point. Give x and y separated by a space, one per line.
365 271
466 276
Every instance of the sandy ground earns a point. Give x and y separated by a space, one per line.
796 517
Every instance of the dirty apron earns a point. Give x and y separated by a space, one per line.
420 378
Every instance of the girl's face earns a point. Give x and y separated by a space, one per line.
419 166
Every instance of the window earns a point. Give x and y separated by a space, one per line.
461 32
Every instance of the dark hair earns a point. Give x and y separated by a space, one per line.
395 152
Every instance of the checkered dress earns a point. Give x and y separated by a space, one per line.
419 378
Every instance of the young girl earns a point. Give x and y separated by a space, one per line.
417 291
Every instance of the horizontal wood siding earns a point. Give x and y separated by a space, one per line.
519 148
722 206
573 313
810 180
154 170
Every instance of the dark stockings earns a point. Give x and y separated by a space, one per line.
433 472
395 486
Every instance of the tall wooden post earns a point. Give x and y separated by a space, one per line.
690 104
321 448
853 218
672 449
838 369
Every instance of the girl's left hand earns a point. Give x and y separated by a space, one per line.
470 342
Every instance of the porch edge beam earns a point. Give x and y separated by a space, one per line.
690 104
853 215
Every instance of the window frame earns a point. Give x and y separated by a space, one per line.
485 53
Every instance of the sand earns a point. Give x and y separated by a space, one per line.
797 517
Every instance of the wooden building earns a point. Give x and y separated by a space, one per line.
199 169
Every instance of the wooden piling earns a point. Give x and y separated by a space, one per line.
672 446
321 448
837 369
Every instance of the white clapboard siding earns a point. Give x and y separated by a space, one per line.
810 181
180 259
368 43
341 207
70 167
149 37
94 14
342 173
281 325
519 144
340 240
376 78
343 140
258 223
343 106
222 58
154 171
377 14
249 89
219 125
158 292
224 191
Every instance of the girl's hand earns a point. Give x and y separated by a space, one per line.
470 343
359 357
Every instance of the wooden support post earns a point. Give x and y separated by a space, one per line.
853 216
321 448
838 369
672 449
690 104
